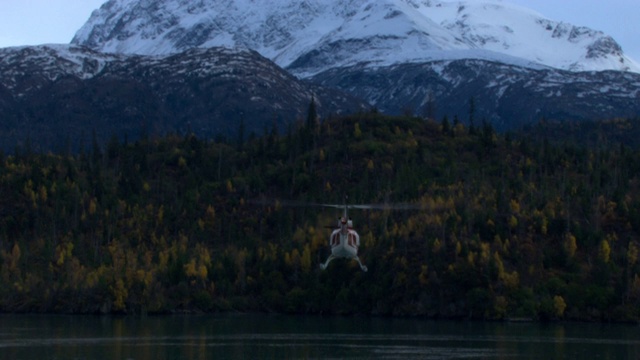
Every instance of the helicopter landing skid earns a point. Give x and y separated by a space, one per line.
331 257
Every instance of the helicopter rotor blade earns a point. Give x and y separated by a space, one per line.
388 206
380 206
290 203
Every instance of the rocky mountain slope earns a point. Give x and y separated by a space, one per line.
56 96
507 96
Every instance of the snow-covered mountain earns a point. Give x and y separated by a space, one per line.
212 65
309 36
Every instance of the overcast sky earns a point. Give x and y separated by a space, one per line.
32 22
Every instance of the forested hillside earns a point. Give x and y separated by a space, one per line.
508 226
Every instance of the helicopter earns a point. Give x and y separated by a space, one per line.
344 239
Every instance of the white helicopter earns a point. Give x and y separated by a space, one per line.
344 240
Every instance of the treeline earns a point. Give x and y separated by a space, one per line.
508 227
597 134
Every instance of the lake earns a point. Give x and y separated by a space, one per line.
251 336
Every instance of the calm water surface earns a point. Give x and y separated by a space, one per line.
289 337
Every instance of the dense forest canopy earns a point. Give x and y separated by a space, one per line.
508 226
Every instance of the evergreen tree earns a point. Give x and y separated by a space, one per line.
446 127
240 135
472 115
312 115
311 125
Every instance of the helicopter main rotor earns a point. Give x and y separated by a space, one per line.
378 206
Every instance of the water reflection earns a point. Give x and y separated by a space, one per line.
289 337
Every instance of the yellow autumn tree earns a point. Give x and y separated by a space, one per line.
570 246
632 254
604 251
10 263
120 294
305 259
559 306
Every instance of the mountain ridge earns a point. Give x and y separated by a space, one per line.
56 96
507 96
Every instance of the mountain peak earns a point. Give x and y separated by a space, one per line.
310 36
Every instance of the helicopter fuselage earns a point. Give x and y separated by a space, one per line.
344 243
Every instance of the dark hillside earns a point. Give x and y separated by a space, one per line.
506 227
